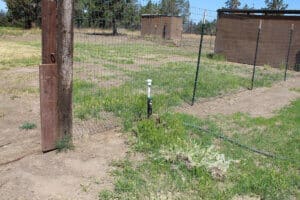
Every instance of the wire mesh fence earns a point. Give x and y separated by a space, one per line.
111 69
258 38
114 58
110 90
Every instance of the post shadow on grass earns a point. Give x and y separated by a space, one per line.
297 64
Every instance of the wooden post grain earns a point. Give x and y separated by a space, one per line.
48 103
65 37
48 76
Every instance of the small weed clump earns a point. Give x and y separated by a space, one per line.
216 57
27 126
64 144
106 195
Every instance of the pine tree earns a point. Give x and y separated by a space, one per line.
276 5
131 15
109 13
175 8
24 11
150 8
3 18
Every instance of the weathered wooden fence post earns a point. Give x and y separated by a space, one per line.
65 45
48 76
56 71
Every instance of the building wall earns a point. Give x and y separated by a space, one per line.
154 25
176 28
237 35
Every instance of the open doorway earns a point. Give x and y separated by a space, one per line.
165 31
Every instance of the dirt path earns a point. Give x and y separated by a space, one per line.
258 102
78 174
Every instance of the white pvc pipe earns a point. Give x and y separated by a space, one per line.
149 84
260 24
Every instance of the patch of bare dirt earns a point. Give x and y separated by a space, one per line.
246 197
258 102
19 80
16 111
26 173
78 174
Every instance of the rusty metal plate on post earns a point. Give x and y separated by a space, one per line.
48 105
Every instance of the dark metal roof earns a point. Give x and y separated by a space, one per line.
261 11
158 15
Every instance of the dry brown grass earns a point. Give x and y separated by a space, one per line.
12 50
18 54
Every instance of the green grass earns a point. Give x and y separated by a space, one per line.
14 31
216 57
64 144
264 76
270 178
180 161
18 54
158 176
11 31
22 62
125 53
27 126
172 85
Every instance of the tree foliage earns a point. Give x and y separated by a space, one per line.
247 7
112 13
24 12
107 13
150 8
168 7
99 13
3 18
175 8
232 4
208 29
275 5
